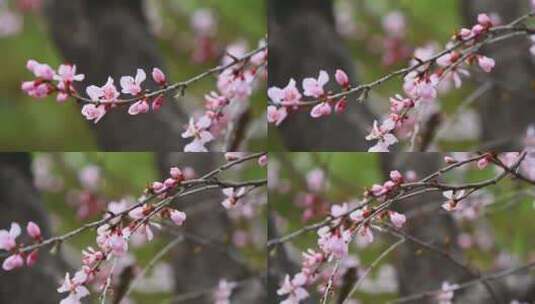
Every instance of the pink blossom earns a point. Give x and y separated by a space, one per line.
232 156
203 22
321 109
31 258
383 135
263 160
138 212
339 210
314 87
36 89
394 24
118 245
93 112
158 76
477 29
158 187
276 116
75 288
484 20
453 199
294 289
214 101
67 74
33 231
378 190
341 78
132 86
365 235
178 217
12 262
40 70
398 103
446 295
92 256
176 173
223 292
233 196
288 96
90 177
158 102
466 34
396 176
334 243
357 215
107 93
141 106
315 180
170 183
340 105
397 219
234 85
483 163
199 131
486 63
8 238
10 22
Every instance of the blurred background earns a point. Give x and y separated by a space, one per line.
371 38
190 36
62 191
492 233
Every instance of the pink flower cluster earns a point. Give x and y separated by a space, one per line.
423 84
101 99
347 221
290 98
8 242
113 236
49 81
234 85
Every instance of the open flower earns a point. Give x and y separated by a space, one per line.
397 219
93 112
288 96
294 289
74 287
67 74
8 238
314 87
107 93
132 86
178 217
453 199
233 196
276 116
199 131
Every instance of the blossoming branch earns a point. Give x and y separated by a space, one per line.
235 83
355 221
123 221
427 75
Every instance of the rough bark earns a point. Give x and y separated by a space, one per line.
303 41
20 202
508 109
